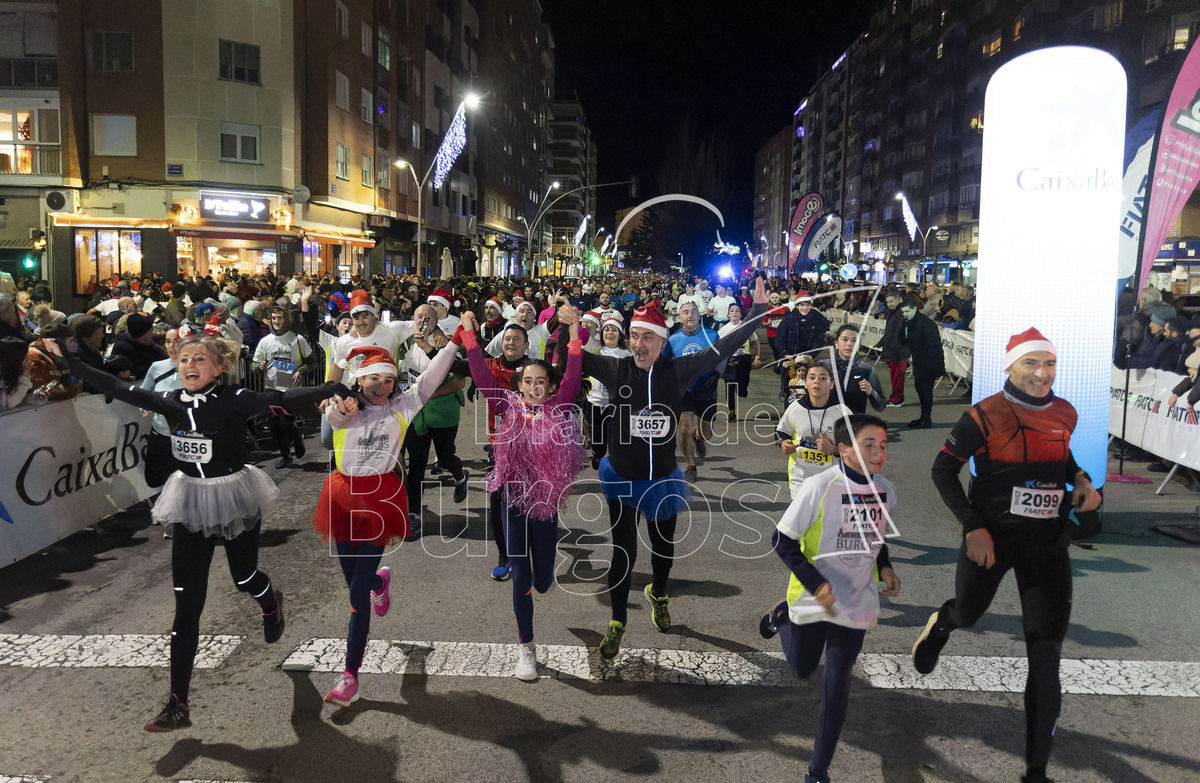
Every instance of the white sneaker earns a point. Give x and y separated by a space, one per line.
527 662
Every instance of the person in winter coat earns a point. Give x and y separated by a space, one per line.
891 351
923 340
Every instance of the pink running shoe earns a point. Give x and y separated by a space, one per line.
345 692
383 599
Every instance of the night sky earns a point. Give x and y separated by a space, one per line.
737 68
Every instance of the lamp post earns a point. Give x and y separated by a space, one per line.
449 150
529 226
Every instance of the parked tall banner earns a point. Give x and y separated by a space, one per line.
1177 164
804 220
1053 145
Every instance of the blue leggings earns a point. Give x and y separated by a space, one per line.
359 563
532 548
803 644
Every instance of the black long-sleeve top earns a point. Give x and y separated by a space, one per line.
212 419
642 396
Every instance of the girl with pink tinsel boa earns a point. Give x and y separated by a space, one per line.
538 451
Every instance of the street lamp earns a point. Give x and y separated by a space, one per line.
529 225
449 150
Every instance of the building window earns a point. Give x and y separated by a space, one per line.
341 90
367 37
112 50
383 108
29 139
1108 16
1186 27
991 45
101 254
367 173
365 106
342 15
114 135
1018 26
383 169
968 195
341 165
939 201
239 62
385 50
240 143
416 135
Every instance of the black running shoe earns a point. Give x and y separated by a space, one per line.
929 646
768 626
701 448
273 621
175 715
460 488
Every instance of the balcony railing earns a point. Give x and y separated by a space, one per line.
32 159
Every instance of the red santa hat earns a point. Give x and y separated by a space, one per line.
593 315
609 318
650 317
1027 341
526 303
376 360
360 300
442 297
494 303
213 325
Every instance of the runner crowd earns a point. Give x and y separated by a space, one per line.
620 373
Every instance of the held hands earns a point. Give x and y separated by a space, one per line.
825 596
347 406
568 315
980 549
468 322
891 582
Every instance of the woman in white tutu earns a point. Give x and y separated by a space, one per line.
213 497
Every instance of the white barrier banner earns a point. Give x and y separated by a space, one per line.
65 466
1172 433
958 345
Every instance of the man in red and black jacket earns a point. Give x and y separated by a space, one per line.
1015 517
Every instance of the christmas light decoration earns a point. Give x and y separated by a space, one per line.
452 146
910 220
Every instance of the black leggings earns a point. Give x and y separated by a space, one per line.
286 433
625 540
1043 570
417 446
191 557
359 563
803 645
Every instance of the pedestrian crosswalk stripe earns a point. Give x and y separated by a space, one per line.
21 779
997 674
711 667
991 674
37 651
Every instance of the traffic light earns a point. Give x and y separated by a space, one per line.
824 267
29 263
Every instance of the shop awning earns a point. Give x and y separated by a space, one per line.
224 232
338 239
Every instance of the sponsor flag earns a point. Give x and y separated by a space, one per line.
1139 143
804 220
1177 162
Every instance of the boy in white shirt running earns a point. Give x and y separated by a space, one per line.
831 538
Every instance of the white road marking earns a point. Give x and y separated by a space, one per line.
559 661
37 651
688 667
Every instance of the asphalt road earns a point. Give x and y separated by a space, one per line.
446 707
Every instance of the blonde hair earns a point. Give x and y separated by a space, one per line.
220 350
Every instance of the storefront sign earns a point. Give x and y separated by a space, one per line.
73 464
235 209
1053 146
